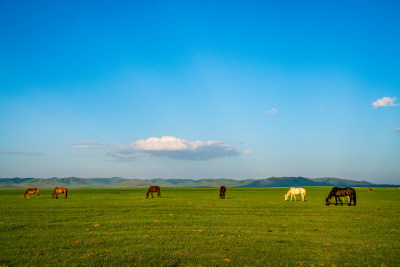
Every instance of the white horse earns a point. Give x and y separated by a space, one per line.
296 191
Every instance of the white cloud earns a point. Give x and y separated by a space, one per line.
272 111
85 145
174 148
121 157
247 152
165 147
21 153
397 130
385 102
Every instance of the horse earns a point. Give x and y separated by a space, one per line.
31 191
154 189
293 191
222 191
59 190
339 192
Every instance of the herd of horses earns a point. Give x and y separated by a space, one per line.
338 193
57 190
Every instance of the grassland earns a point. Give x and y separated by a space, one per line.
193 227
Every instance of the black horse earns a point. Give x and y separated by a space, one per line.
339 192
222 191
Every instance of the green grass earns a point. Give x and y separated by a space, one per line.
194 227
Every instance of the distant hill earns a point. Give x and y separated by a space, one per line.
62 182
285 182
116 182
342 182
13 182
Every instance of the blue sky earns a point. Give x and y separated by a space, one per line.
198 89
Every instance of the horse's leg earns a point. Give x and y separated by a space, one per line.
152 195
341 203
294 197
29 195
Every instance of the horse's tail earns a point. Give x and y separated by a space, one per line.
37 192
159 191
66 192
354 198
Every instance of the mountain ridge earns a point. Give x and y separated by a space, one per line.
119 182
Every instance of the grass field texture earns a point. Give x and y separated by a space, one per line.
194 227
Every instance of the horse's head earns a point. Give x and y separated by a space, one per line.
147 195
286 196
327 201
52 195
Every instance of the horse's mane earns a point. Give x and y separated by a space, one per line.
333 192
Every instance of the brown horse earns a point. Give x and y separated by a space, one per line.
59 190
222 191
339 192
31 191
154 189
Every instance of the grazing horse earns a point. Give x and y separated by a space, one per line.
59 190
154 189
31 191
339 192
222 192
293 191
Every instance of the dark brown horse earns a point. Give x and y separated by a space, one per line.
154 189
339 192
222 191
31 191
59 190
